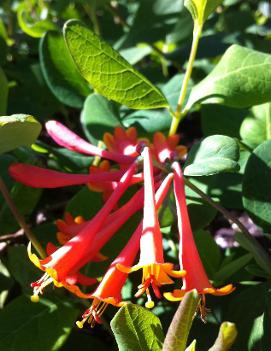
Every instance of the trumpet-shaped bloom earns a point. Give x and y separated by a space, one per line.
70 257
71 141
155 271
196 277
109 289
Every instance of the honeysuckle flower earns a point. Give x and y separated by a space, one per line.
71 141
155 271
167 148
70 257
109 289
196 277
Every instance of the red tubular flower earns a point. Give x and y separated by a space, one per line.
155 271
109 289
71 141
69 258
38 177
196 277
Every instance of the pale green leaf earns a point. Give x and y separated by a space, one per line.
201 9
241 79
60 72
214 154
192 346
226 337
256 128
137 329
34 28
108 72
179 328
17 130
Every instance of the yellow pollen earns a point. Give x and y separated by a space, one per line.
35 298
149 304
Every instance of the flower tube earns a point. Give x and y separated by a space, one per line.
109 289
70 257
155 271
196 277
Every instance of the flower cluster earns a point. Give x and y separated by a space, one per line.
126 160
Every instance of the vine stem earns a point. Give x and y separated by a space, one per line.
179 114
20 219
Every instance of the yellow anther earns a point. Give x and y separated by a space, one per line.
35 298
149 304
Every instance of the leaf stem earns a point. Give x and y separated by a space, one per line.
20 219
180 114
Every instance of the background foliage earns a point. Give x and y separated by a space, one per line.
39 78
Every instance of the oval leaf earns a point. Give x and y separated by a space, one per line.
60 73
137 329
241 79
214 154
26 331
108 72
17 130
257 185
98 116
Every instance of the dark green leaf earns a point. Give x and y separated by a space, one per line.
257 185
60 73
241 79
209 252
25 200
38 326
214 154
109 73
17 130
98 116
137 329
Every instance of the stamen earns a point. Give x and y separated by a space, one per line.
39 285
150 302
93 314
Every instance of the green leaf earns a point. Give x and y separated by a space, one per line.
38 326
257 185
25 199
99 115
227 270
201 9
3 92
109 73
17 130
85 203
256 129
192 346
249 309
218 119
180 326
209 252
60 72
32 27
21 268
239 80
226 337
137 329
214 154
